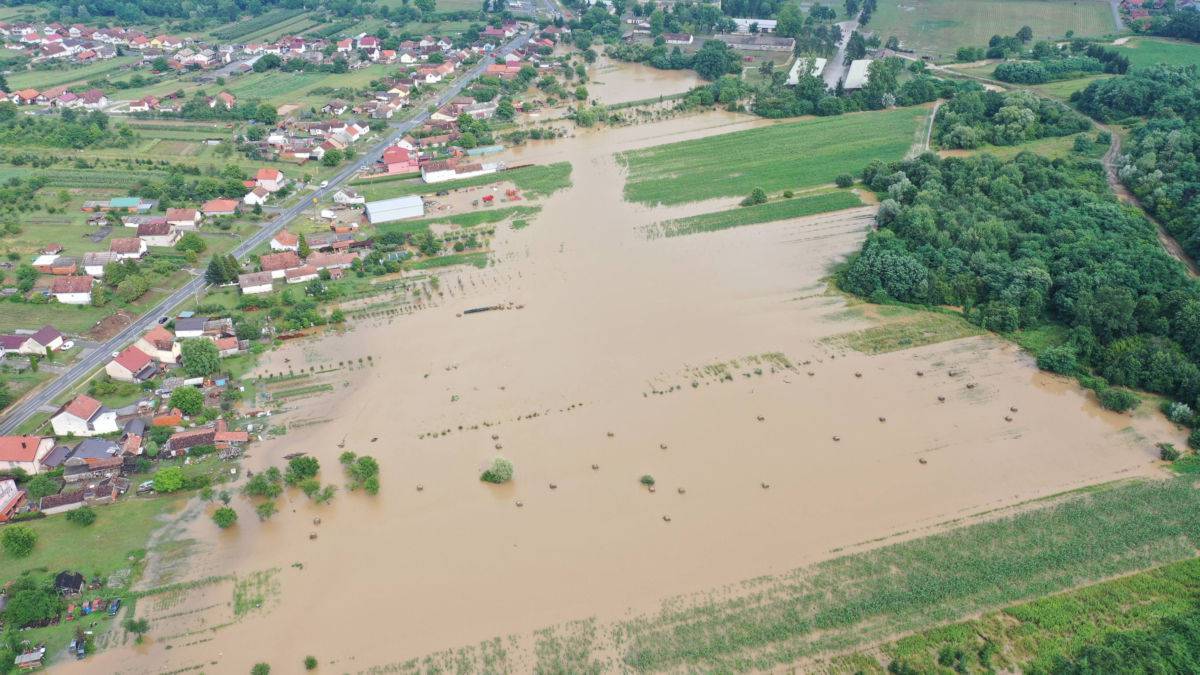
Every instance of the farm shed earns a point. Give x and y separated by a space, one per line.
813 66
388 210
857 76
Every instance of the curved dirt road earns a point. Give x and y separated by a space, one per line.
1110 171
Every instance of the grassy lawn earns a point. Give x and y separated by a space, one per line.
1053 147
1029 637
781 209
1149 51
939 27
67 318
781 157
862 598
45 79
1063 89
102 548
479 260
471 219
534 181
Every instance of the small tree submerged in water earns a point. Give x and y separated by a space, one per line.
647 480
501 471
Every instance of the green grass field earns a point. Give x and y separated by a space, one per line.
1150 51
472 219
100 548
45 79
475 259
1029 637
789 156
1063 89
939 27
535 181
781 209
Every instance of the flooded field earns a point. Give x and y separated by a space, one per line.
717 363
621 82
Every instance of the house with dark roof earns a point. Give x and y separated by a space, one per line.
180 442
69 583
93 458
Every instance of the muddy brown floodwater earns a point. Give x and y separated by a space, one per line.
641 357
614 82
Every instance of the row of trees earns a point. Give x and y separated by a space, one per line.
1027 241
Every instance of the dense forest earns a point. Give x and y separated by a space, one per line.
1184 24
974 117
1161 164
1023 242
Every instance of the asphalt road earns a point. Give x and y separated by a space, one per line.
79 371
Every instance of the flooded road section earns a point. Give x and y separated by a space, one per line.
704 361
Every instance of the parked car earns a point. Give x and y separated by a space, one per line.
148 486
69 344
114 607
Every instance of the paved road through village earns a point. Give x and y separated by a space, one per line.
80 370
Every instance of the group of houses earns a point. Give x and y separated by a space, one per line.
95 445
73 277
300 141
332 253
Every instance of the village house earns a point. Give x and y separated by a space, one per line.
398 160
271 180
255 282
346 197
331 261
450 169
73 289
184 219
11 499
92 458
47 339
285 241
94 262
182 441
299 275
220 207
224 99
159 344
130 248
201 326
131 365
84 416
278 263
158 234
256 197
144 104
24 452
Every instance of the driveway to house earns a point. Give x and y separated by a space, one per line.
836 69
81 370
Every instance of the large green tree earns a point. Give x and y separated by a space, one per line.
200 357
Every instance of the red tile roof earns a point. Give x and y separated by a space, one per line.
72 284
285 238
126 245
268 174
279 261
133 359
83 406
19 448
220 206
